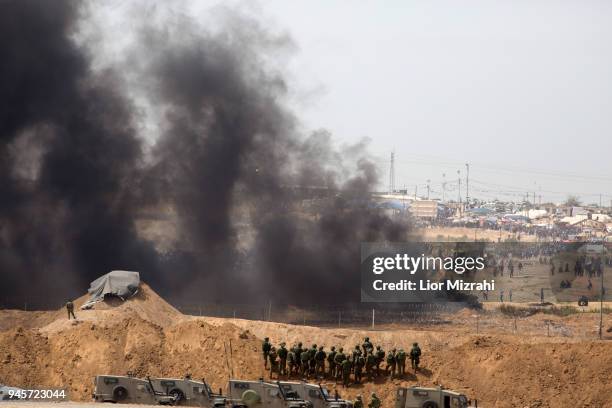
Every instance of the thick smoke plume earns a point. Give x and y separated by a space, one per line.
263 211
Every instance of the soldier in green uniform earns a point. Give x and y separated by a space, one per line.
374 402
331 362
359 363
358 403
304 359
367 345
265 348
356 352
282 355
391 361
338 360
347 365
298 354
415 356
70 309
320 361
312 353
401 362
273 361
370 364
380 357
292 360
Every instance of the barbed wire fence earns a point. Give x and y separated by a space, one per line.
438 316
416 316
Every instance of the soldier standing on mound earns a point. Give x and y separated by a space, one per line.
338 360
367 345
292 360
320 362
70 309
304 359
331 356
380 357
282 355
273 361
401 362
370 364
359 363
265 349
391 362
415 356
346 372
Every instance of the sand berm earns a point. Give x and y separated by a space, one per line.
148 336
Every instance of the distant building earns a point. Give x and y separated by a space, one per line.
425 209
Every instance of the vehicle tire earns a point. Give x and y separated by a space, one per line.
430 404
120 393
179 396
250 397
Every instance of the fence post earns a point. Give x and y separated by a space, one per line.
339 317
270 311
373 314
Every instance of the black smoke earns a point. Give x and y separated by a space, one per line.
263 212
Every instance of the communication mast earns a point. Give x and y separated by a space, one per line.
392 173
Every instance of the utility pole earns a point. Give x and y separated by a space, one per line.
416 187
600 201
392 174
467 183
459 183
603 268
443 185
428 181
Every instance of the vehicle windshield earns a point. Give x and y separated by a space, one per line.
464 400
325 392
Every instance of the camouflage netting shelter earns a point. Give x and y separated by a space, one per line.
122 284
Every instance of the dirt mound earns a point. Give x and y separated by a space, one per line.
146 305
147 336
71 357
524 375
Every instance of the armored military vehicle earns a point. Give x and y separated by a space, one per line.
128 389
255 394
316 394
421 397
189 392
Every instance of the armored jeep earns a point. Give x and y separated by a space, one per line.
255 394
316 394
186 391
128 389
421 397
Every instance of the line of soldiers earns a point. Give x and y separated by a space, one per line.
374 402
364 360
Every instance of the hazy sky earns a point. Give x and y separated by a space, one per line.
521 90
